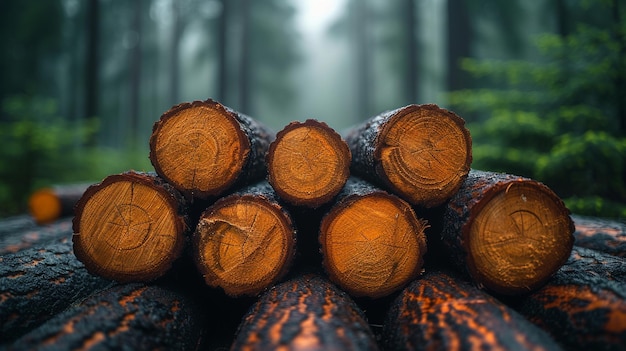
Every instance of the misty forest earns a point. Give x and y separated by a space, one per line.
540 84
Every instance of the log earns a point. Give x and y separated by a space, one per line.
245 241
441 311
372 242
308 163
124 317
39 282
600 234
511 234
304 313
584 305
422 153
51 203
203 148
18 236
130 227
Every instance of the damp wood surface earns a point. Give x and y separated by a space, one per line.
511 234
130 227
442 311
22 232
601 234
203 148
308 163
38 282
306 312
584 305
420 152
130 316
245 241
371 241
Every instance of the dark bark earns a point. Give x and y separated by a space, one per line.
305 313
123 317
604 235
39 282
22 233
442 311
511 234
584 304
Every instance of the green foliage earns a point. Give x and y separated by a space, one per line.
559 120
41 149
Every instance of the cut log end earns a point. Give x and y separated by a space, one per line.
49 204
199 148
128 229
425 153
373 244
243 244
308 163
519 238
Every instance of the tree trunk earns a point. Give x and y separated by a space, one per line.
304 313
372 243
510 233
420 152
308 163
49 204
130 227
584 305
39 282
123 317
203 148
441 311
244 242
602 235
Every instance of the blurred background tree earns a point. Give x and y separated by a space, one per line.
541 84
560 120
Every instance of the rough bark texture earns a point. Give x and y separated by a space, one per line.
304 313
600 234
371 241
308 163
39 282
204 148
441 311
130 227
245 241
124 317
511 234
584 304
49 204
21 233
420 152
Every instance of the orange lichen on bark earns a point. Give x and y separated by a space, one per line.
128 228
243 244
372 244
308 163
201 148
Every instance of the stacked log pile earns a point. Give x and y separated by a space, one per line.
306 239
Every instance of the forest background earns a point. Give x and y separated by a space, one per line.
541 84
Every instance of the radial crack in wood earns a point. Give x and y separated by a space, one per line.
202 148
420 152
308 163
372 242
510 233
129 227
244 242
